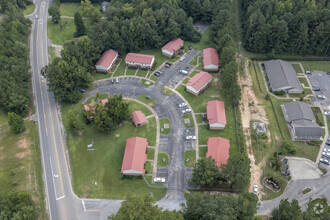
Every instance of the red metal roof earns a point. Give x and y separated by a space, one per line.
135 154
218 149
216 112
199 80
139 58
210 57
106 58
138 117
173 45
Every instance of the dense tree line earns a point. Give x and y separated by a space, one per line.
140 25
287 27
14 68
11 6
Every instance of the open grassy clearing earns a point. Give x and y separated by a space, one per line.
147 100
105 162
190 158
316 65
20 164
297 68
92 99
194 60
62 32
202 151
202 44
304 81
189 115
163 159
69 9
29 9
163 121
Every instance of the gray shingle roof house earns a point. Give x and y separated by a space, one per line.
301 121
282 76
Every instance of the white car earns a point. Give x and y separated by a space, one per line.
188 110
190 137
182 58
322 97
37 16
183 105
327 113
326 154
255 189
322 160
159 180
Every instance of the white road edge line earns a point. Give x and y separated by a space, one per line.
83 203
51 167
60 198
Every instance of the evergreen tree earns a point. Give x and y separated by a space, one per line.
80 26
16 123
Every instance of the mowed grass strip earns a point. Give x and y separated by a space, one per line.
297 68
147 100
316 65
121 69
191 121
150 153
103 165
163 159
202 151
62 32
190 158
163 121
304 81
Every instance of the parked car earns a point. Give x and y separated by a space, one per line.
287 172
190 47
316 89
117 80
156 74
182 59
321 97
82 90
328 73
327 113
285 160
167 66
188 110
328 142
322 160
37 16
326 154
307 72
159 180
190 137
160 73
184 72
255 189
182 104
168 63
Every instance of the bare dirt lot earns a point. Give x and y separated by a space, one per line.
251 111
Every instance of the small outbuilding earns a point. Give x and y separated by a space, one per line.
134 156
173 47
199 83
138 60
106 61
210 59
218 149
216 115
139 118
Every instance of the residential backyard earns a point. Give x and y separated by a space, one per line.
62 32
104 164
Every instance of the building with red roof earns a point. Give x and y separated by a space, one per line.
139 60
210 59
218 149
106 61
92 108
139 118
134 156
216 114
173 47
199 83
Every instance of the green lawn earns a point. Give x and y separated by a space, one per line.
202 151
269 172
121 69
189 115
147 100
148 167
154 78
62 32
135 106
150 153
166 91
316 65
297 68
69 9
20 164
29 9
305 92
199 118
304 81
160 158
190 155
105 162
142 72
163 121
144 82
202 44
185 81
318 115
130 71
194 60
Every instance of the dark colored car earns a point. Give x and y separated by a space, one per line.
328 73
316 89
169 63
156 74
160 73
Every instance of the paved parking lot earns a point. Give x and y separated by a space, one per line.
301 168
321 80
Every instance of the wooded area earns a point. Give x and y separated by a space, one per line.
287 27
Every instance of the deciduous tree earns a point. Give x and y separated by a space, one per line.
80 27
287 210
16 123
54 11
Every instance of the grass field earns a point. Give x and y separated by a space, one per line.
202 151
62 32
160 158
150 153
69 9
105 162
185 81
304 81
163 121
297 68
190 155
137 106
202 44
154 78
29 9
306 91
130 71
318 115
316 65
189 115
121 69
142 72
20 164
147 100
